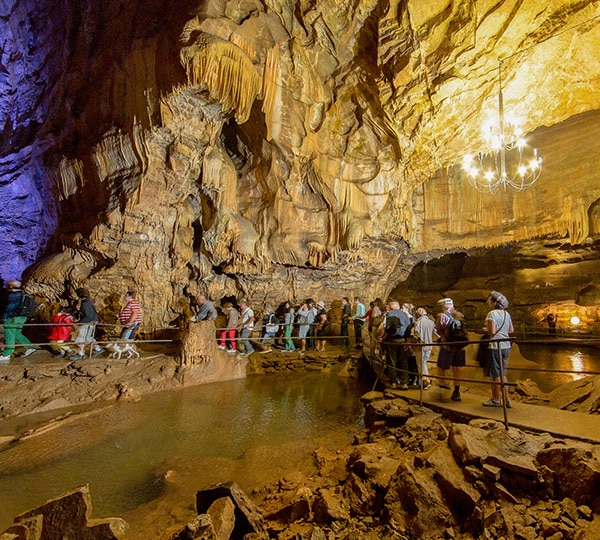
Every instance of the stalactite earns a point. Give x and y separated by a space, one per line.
226 71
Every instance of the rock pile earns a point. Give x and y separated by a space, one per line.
413 474
276 361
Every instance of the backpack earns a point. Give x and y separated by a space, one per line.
456 332
392 325
27 306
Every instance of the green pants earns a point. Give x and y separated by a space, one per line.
289 344
13 334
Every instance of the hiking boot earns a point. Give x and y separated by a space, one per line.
98 351
221 347
4 359
77 356
455 395
27 352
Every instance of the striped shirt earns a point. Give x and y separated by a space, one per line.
132 307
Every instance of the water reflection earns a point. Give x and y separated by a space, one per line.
563 359
577 365
248 431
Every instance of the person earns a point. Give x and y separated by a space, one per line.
450 356
14 321
290 315
552 319
498 326
62 324
345 321
396 323
205 310
303 324
358 317
130 317
270 328
424 330
87 317
227 335
310 319
246 326
322 324
374 316
411 358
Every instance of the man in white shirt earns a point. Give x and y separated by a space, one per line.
246 326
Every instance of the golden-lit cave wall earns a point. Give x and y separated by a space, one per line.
451 213
539 246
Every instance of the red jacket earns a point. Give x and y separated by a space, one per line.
62 329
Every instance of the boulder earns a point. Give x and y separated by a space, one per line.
248 518
415 502
200 528
329 506
66 517
222 516
459 493
394 411
568 395
576 472
364 497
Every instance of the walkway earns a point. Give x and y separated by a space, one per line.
539 418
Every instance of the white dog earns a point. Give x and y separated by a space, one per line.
119 348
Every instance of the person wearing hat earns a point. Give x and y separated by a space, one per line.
450 356
13 322
498 325
322 325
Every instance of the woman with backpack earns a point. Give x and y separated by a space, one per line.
15 316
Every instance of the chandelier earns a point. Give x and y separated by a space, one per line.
488 171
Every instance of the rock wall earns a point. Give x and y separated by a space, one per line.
279 149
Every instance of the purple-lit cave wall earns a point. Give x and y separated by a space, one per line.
28 63
70 71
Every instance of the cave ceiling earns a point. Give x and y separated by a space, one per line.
283 148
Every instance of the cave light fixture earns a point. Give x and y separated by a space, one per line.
488 172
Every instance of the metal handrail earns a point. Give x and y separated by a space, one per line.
567 341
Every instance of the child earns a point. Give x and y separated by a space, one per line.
62 323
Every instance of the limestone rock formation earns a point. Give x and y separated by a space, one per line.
281 148
68 516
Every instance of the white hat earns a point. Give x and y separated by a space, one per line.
321 304
446 302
